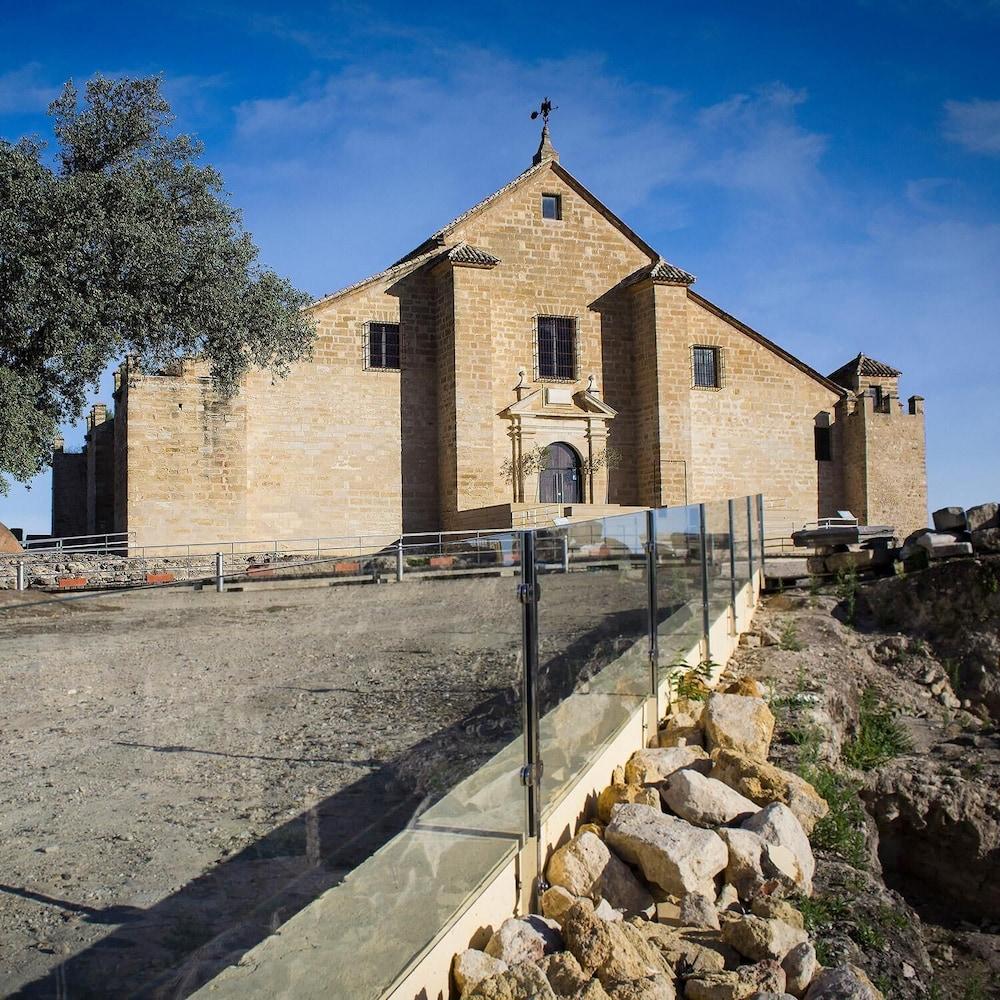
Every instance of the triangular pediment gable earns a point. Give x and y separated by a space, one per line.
559 401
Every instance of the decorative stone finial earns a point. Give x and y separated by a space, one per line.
546 151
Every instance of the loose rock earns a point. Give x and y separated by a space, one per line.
776 824
615 794
518 983
586 867
471 967
673 854
733 722
758 938
800 967
564 974
698 910
524 939
764 977
846 982
764 783
704 801
653 765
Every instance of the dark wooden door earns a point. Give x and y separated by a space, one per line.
561 481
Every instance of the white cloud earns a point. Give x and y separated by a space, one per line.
974 124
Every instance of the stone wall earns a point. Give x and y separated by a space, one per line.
69 492
338 449
884 461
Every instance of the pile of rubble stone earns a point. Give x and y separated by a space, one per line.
956 532
684 883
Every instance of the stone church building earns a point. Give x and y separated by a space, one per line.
533 358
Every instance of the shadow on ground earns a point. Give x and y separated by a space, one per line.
175 946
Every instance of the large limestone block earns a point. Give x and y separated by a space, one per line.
524 939
656 764
986 515
517 983
556 902
942 546
733 722
764 783
845 982
776 825
615 794
777 909
671 853
705 801
472 967
586 867
758 938
949 519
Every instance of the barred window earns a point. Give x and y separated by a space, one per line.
382 347
706 365
556 347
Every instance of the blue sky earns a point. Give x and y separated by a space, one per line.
830 172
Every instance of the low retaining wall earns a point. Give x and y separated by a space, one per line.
464 862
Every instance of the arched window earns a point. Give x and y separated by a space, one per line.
561 480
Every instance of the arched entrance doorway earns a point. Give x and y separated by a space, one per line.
561 481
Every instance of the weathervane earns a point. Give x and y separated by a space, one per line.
545 110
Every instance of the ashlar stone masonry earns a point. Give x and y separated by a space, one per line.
533 358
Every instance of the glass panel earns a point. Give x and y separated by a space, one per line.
593 641
187 770
741 540
678 584
719 569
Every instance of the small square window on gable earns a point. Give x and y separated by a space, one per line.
382 346
552 206
706 367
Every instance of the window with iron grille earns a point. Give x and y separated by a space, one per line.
556 348
706 367
382 346
824 448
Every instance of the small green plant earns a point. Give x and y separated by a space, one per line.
953 669
841 830
847 591
880 735
918 647
693 685
789 640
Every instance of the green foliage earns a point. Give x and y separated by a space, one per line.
880 735
693 685
789 639
841 830
953 670
847 591
122 245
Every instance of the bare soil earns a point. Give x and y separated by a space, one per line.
184 771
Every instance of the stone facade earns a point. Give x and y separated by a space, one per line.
345 447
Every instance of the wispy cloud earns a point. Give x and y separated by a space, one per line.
25 90
974 124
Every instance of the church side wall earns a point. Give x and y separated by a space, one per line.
323 444
186 453
756 433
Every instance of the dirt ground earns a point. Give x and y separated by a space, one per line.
183 771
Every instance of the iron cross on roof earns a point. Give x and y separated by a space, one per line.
544 110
